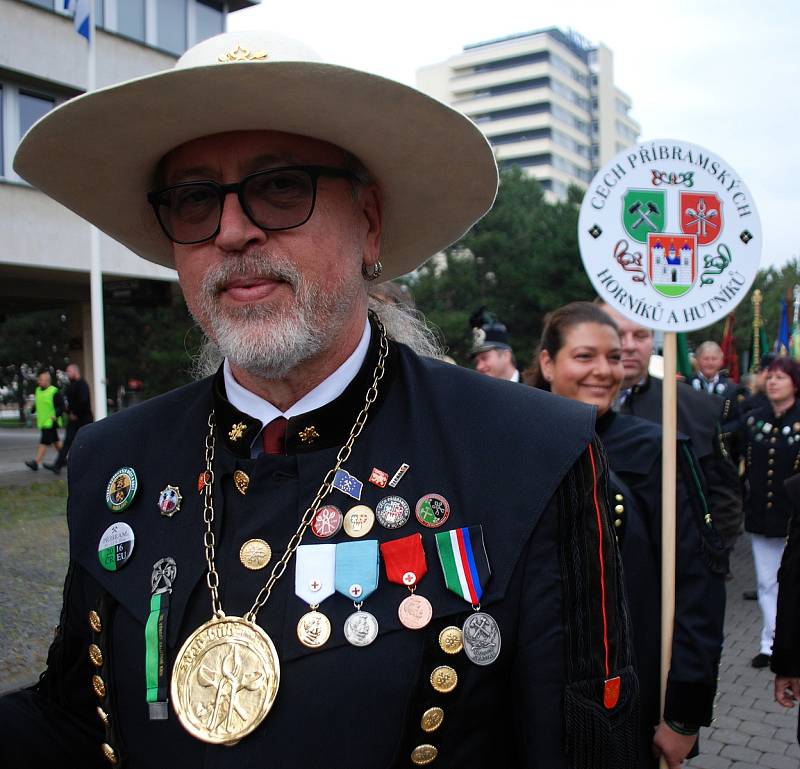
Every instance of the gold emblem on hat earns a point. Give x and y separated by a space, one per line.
237 431
240 53
255 554
308 434
450 640
242 481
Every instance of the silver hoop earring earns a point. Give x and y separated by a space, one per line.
373 274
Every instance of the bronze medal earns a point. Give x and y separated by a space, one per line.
415 612
225 679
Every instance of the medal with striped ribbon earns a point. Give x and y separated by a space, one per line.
465 564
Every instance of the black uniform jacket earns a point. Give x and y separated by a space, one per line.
633 447
699 419
79 401
518 462
733 394
786 648
772 454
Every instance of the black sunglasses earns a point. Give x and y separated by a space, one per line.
277 199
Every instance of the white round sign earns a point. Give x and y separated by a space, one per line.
669 235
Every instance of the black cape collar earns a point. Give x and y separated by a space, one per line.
605 421
322 428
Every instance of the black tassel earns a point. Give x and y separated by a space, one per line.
598 737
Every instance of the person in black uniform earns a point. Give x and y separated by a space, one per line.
491 353
79 413
712 379
771 440
580 357
333 551
785 661
698 418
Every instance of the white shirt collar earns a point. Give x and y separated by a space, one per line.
326 391
515 375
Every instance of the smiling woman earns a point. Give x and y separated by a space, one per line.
580 357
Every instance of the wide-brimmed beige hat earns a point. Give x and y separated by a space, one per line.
97 153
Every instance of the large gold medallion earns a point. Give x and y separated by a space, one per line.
225 680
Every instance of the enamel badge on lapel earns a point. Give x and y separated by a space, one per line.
398 476
378 478
116 546
169 501
121 489
242 481
202 480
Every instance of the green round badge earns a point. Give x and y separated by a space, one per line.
121 489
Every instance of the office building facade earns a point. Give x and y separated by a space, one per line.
546 100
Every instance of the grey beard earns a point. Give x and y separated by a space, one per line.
262 340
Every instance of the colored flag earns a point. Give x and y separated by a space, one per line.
347 484
684 363
82 19
794 339
730 359
782 340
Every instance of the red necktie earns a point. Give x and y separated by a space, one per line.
273 436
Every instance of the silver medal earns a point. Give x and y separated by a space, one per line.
361 628
481 638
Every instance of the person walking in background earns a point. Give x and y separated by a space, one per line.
580 357
770 436
48 405
79 413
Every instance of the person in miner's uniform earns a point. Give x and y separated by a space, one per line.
335 550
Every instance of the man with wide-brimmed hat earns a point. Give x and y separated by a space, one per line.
335 550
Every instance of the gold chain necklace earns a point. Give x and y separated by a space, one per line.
226 675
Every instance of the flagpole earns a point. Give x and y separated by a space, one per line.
96 273
668 486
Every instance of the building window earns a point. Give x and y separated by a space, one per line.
519 85
31 108
513 61
503 114
171 22
520 136
527 161
42 3
99 13
622 107
209 21
130 19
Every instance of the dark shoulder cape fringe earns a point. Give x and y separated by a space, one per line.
599 733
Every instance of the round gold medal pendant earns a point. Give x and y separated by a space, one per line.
313 629
225 680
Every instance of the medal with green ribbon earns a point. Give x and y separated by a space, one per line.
155 634
465 564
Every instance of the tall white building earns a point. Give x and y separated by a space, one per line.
546 100
44 248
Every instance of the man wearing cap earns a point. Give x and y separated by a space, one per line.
231 598
491 352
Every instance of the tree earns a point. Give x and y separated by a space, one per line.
521 261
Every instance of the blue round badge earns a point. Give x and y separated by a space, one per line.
121 489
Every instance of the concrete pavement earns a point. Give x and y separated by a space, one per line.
16 446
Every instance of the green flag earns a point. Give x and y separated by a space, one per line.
684 364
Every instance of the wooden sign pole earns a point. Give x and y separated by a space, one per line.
668 527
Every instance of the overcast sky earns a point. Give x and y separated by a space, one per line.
724 75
